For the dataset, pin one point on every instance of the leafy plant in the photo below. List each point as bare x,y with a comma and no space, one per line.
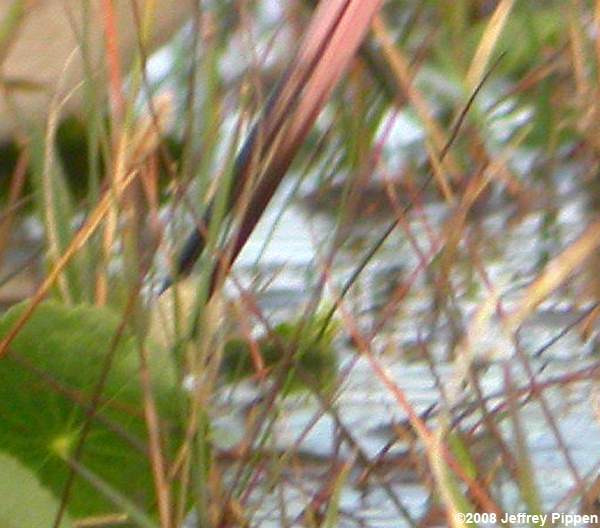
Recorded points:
24,501
48,380
297,346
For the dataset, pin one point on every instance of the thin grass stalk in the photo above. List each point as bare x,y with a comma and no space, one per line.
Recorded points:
127,144
487,43
392,226
156,455
209,133
56,207
332,38
490,422
424,433
400,67
115,75
455,503
191,84
98,144
526,476
95,400
325,54
118,499
95,219
454,228
332,511
543,402
555,273
194,457
310,102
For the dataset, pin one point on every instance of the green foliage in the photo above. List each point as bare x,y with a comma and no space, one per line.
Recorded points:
527,33
460,450
48,378
72,148
25,503
71,145
311,356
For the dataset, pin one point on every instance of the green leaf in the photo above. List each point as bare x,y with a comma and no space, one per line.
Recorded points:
25,502
46,381
461,452
313,355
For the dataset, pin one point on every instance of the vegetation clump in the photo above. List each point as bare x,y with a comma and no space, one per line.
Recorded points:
300,351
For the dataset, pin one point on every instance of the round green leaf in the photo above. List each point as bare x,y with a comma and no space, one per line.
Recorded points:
25,502
46,383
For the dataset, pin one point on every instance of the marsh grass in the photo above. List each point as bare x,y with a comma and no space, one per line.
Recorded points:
492,87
